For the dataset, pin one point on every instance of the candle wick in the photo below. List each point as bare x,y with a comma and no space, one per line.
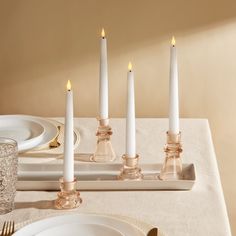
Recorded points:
103,37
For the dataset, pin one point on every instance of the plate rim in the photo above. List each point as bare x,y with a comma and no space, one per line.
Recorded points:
73,223
31,142
113,218
41,121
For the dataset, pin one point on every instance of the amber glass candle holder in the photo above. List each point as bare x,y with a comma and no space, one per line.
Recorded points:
130,169
68,197
104,151
172,167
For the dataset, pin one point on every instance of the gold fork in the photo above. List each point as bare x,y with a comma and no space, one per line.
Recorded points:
8,228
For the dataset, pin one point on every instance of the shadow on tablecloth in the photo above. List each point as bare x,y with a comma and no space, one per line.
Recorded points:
46,204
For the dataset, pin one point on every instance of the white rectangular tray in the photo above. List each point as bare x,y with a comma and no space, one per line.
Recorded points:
100,177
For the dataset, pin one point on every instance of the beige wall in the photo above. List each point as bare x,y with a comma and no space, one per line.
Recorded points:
44,42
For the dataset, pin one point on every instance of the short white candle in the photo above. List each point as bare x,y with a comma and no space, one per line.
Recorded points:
103,79
173,91
68,174
130,119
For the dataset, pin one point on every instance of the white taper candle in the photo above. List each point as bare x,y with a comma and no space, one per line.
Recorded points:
68,174
173,91
103,79
130,119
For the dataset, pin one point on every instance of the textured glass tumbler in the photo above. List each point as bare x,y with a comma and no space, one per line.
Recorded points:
8,174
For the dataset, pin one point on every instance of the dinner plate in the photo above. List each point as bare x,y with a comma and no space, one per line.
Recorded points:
73,229
60,149
75,221
27,133
45,151
25,129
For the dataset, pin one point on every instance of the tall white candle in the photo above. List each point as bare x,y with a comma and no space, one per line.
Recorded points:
69,137
173,91
103,80
130,119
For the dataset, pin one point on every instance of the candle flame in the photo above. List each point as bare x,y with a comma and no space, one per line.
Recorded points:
173,41
68,85
130,66
103,33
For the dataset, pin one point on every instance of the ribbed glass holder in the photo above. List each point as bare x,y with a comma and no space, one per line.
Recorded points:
172,167
130,169
68,197
104,151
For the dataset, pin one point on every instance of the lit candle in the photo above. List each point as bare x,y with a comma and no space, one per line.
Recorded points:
173,91
130,119
103,81
69,137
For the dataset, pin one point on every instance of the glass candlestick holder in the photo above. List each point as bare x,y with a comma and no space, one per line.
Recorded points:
130,169
172,167
104,151
68,197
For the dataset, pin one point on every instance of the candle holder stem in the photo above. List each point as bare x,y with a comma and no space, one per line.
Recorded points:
104,151
172,167
68,197
130,169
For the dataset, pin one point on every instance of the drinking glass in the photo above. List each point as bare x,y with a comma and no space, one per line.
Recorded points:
8,174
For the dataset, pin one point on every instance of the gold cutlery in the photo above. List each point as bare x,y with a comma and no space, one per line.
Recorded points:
54,143
153,232
8,228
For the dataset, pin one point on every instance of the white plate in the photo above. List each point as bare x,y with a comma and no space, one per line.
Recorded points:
27,133
60,149
50,131
43,226
73,229
46,151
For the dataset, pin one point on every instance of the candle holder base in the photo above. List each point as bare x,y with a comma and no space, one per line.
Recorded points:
104,151
68,197
172,167
130,169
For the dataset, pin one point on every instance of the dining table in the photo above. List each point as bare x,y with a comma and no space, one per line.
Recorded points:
200,211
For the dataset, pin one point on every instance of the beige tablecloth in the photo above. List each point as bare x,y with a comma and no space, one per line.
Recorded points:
199,212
